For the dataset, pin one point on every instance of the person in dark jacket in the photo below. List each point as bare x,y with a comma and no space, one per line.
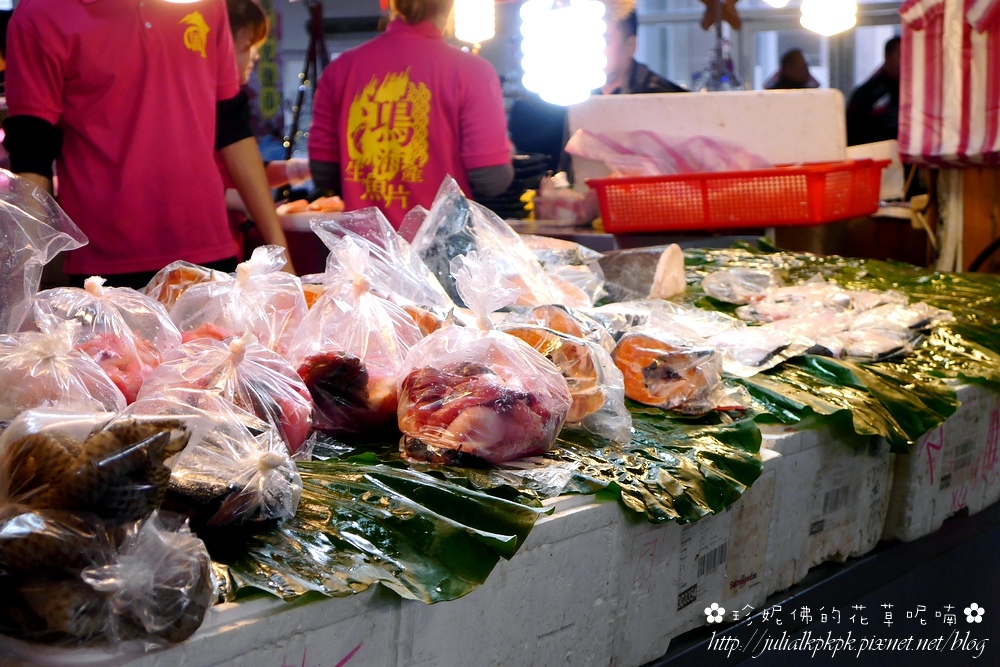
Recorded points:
873,108
625,74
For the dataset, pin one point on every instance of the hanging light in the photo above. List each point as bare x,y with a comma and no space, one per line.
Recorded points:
829,17
777,4
563,47
475,20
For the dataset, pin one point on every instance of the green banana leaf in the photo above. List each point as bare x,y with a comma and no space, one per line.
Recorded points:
359,524
899,399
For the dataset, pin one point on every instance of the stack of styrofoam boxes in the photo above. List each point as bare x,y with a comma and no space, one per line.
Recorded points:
831,499
549,605
256,632
669,574
951,468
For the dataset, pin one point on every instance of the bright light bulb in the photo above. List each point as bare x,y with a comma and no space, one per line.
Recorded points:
777,4
475,20
563,49
829,17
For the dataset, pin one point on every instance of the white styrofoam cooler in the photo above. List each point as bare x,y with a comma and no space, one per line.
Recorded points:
830,501
783,127
951,469
669,574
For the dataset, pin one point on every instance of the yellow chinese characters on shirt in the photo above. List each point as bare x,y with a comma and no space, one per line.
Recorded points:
387,137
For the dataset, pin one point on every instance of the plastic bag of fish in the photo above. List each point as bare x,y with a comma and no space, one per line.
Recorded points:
245,373
45,370
124,331
456,226
351,345
235,469
154,586
475,395
259,298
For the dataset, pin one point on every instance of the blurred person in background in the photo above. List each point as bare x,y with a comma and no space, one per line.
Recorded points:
625,74
249,25
873,108
394,116
792,74
131,102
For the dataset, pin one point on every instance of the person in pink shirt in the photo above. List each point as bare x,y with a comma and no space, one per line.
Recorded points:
396,115
131,99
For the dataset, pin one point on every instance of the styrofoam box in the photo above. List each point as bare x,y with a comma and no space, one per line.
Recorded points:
670,573
789,126
263,632
831,499
549,605
950,468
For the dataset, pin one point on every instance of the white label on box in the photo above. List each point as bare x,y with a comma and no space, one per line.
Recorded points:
704,549
835,496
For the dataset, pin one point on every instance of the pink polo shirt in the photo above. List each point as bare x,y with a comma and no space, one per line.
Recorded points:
133,85
401,112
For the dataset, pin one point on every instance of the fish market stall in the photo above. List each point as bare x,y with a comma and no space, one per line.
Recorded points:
474,447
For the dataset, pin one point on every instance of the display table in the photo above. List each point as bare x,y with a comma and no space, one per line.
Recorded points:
593,585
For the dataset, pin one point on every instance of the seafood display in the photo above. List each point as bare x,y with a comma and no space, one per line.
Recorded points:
172,280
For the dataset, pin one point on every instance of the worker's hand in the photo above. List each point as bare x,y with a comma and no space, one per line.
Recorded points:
297,170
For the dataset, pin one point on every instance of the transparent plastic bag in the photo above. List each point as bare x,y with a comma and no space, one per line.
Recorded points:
260,299
469,395
351,345
739,286
160,587
565,320
246,373
44,370
33,230
124,331
235,469
113,466
667,371
595,384
572,262
155,587
456,226
172,280
395,270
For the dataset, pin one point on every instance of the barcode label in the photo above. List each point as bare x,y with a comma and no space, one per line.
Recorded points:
710,562
836,499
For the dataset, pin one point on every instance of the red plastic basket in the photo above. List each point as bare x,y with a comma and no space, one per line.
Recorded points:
780,196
